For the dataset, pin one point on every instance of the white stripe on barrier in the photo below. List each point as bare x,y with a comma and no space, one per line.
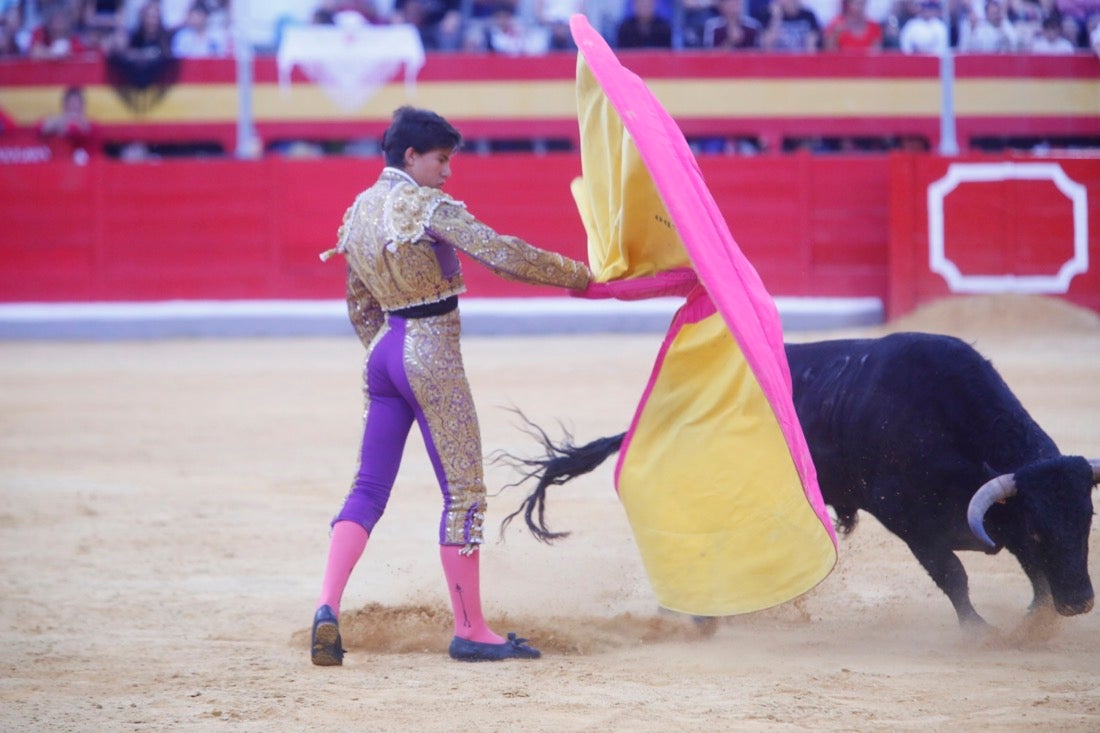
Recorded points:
485,316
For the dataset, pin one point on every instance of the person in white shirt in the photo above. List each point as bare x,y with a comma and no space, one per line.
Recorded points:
993,34
197,38
925,32
1050,39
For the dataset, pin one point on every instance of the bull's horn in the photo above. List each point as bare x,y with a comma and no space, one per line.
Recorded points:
992,491
1095,463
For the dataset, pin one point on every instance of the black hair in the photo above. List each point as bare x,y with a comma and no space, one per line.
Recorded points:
419,129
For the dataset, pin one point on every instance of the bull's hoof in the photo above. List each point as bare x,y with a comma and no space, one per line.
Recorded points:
1075,609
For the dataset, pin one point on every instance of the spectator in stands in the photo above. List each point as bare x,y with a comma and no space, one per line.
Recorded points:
1093,27
899,14
15,38
644,28
991,34
218,16
174,12
696,15
477,17
1050,39
150,39
507,34
197,38
482,10
1027,19
733,28
1080,12
926,32
791,27
101,21
9,47
57,37
70,135
1072,30
439,22
852,30
9,44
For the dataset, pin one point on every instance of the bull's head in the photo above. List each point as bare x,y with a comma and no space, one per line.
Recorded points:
1053,502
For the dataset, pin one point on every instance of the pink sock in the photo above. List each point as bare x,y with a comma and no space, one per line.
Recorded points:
345,548
464,584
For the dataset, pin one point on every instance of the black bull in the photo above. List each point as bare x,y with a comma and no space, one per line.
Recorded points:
920,431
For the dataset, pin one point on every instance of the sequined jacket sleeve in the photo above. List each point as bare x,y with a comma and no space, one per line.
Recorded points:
509,257
363,309
400,241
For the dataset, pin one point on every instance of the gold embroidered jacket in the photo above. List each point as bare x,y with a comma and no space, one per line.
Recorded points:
400,240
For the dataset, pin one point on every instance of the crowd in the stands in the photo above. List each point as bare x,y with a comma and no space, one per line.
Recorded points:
45,29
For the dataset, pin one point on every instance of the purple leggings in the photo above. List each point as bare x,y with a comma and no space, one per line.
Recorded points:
414,371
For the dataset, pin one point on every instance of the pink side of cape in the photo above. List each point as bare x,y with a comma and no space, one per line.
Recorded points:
730,279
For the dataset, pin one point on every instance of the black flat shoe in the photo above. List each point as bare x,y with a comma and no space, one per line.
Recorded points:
325,647
480,651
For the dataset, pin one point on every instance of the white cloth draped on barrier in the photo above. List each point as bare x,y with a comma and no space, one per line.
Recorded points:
351,61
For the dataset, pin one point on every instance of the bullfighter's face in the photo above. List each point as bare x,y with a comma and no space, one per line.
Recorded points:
431,169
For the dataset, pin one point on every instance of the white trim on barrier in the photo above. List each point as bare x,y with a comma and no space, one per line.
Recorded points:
957,282
480,316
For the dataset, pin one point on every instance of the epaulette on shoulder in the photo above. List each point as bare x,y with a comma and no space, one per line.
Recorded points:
409,208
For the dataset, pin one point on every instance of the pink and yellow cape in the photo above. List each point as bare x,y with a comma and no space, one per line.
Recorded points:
715,474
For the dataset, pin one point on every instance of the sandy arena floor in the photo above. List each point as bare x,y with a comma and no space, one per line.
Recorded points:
165,517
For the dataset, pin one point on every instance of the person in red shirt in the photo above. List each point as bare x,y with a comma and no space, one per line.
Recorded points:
732,28
70,135
57,37
852,31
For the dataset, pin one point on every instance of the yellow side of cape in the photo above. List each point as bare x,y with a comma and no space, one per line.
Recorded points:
630,232
713,498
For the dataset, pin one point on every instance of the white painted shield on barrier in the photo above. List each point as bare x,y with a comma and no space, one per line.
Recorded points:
959,282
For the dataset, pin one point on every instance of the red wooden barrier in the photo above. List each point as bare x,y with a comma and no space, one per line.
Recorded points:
844,226
224,229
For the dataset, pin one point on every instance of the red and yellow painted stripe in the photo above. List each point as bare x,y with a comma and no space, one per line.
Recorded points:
719,93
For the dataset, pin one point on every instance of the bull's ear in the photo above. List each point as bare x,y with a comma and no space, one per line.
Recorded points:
1095,463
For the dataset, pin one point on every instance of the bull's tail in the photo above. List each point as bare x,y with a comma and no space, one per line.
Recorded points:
563,462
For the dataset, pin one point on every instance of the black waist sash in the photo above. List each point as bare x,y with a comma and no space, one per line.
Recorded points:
437,308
